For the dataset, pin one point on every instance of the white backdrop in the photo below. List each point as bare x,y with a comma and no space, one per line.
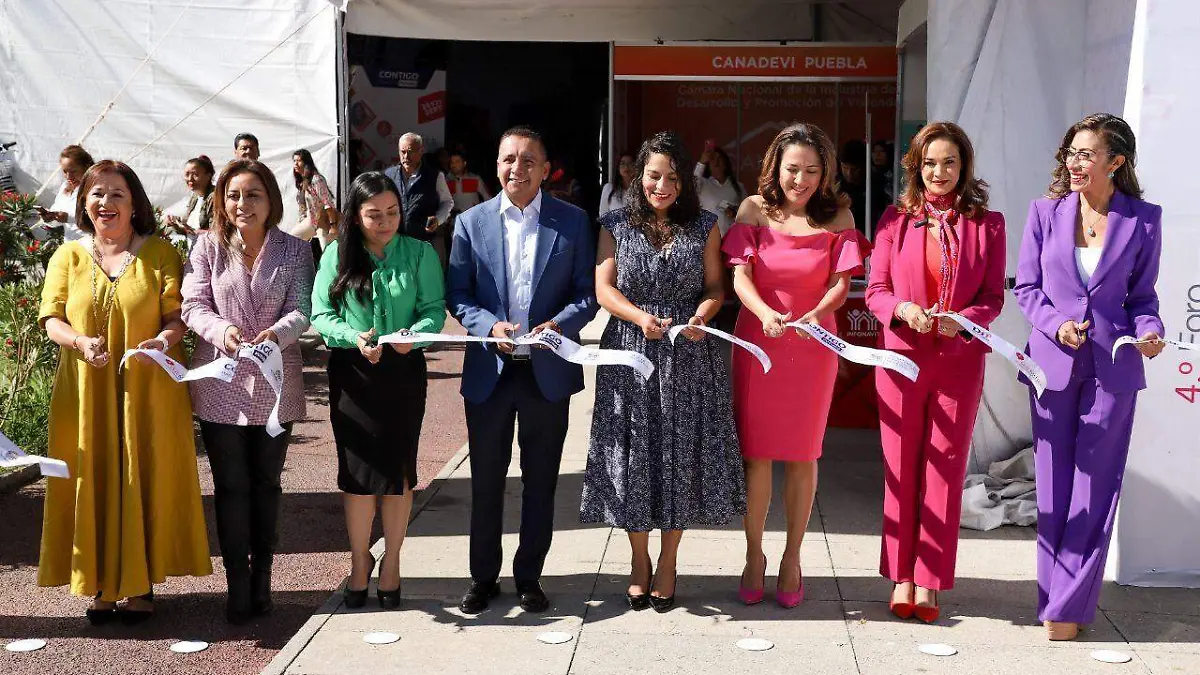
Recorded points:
62,61
1156,543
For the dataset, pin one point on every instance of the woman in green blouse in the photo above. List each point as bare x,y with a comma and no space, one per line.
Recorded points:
372,282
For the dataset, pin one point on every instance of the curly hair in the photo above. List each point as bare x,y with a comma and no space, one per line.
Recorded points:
685,208
823,206
1120,141
972,192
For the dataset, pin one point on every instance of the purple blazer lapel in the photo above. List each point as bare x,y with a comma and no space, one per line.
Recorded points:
1122,222
1063,236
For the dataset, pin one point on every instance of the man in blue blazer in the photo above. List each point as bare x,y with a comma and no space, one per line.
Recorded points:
521,262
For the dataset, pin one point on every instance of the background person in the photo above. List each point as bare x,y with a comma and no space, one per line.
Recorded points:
74,162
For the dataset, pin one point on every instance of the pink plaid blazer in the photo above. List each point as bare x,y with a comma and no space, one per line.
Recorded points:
219,292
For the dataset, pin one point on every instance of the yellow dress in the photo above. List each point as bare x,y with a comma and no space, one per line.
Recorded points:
130,515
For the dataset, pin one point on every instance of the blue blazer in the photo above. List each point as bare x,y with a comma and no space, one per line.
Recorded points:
564,291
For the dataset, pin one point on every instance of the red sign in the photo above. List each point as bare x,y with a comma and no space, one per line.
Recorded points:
431,107
719,62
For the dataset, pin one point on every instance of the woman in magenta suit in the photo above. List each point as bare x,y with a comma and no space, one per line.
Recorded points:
793,251
1089,261
940,249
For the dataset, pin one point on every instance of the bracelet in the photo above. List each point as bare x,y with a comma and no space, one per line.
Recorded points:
166,345
75,344
900,309
703,321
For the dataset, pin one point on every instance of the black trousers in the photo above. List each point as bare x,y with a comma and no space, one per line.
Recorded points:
246,466
543,428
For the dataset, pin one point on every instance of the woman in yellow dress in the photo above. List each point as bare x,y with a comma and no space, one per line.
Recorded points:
130,515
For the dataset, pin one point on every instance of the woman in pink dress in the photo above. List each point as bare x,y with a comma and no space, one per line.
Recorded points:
793,250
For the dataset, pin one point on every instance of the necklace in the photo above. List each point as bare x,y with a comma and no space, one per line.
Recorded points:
101,315
1090,228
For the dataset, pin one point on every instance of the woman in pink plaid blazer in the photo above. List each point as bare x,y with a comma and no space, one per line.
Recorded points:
247,281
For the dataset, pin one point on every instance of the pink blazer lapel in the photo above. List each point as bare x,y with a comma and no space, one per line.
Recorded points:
912,259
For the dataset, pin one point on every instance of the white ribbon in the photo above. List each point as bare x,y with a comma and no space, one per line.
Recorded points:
674,331
12,457
574,352
866,356
563,347
405,336
1027,366
269,359
1130,340
222,368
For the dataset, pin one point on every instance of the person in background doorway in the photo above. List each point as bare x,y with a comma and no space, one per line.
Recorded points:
720,190
882,177
468,190
318,212
562,185
245,146
852,179
198,175
792,251
939,250
1085,278
424,195
73,161
612,197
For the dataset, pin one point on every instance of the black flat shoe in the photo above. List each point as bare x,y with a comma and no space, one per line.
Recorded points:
533,598
388,599
478,596
133,617
354,599
101,617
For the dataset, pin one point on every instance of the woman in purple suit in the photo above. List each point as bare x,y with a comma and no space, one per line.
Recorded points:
1086,277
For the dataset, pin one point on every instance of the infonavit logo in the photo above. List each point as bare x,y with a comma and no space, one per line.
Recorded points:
862,322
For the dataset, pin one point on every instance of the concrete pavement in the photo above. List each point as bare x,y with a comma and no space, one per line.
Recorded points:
842,627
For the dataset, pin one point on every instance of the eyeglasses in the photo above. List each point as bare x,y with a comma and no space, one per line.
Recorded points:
1069,155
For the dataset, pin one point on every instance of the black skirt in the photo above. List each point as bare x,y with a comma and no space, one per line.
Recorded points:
376,412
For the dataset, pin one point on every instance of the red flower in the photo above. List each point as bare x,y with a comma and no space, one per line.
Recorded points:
22,302
9,342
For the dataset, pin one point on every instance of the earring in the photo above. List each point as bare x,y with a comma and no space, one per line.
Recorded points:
1111,174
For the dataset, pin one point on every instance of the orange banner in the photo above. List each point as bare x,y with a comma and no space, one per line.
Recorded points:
772,62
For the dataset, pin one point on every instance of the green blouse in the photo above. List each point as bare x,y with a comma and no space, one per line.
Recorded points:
406,292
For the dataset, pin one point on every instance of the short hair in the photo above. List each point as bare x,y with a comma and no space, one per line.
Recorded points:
244,137
221,223
142,218
458,153
77,154
415,138
854,153
525,131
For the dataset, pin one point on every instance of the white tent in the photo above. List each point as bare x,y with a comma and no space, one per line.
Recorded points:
156,82
1016,74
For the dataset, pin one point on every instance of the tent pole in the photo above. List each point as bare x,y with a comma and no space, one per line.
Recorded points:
343,109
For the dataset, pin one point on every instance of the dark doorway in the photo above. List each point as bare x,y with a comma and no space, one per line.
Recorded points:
560,89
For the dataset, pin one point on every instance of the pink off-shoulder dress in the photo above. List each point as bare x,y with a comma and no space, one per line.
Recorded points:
781,415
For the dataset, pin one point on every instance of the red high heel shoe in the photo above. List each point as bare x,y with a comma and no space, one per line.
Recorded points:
789,599
902,610
928,614
751,596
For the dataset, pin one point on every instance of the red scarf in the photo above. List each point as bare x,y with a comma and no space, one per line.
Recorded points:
940,208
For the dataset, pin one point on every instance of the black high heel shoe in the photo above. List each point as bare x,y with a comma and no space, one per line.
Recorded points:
101,617
663,605
388,599
640,601
357,599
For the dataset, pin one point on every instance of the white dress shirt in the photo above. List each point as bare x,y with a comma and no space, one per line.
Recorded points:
65,201
520,249
610,200
445,199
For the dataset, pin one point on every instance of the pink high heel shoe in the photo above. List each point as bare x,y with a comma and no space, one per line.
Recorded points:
789,599
751,596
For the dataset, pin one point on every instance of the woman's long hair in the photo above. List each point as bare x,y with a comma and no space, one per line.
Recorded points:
730,174
307,160
142,218
1120,141
354,260
972,191
686,207
223,226
823,206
